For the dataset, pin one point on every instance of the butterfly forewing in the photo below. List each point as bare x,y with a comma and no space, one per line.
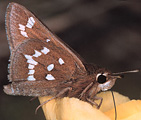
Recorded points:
22,24
36,53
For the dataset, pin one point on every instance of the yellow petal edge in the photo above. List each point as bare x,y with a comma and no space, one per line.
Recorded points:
75,109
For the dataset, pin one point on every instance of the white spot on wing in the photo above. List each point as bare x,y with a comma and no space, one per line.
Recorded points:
47,40
50,67
45,50
31,78
50,77
29,25
29,57
12,88
33,62
30,22
37,53
31,72
24,34
21,27
30,66
32,19
61,61
30,60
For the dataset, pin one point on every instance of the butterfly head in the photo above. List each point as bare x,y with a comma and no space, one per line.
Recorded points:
105,80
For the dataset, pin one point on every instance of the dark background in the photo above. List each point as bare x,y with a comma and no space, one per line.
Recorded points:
104,32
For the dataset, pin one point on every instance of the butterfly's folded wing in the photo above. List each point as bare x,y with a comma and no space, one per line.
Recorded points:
39,60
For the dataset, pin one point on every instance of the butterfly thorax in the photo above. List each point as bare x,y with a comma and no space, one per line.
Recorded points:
97,79
80,82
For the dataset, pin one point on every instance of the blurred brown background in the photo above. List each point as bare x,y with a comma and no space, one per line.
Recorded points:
104,32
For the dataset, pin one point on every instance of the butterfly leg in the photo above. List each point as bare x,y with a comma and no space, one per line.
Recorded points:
94,103
58,95
33,99
85,90
101,100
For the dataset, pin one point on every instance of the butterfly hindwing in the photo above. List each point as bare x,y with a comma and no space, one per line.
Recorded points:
38,60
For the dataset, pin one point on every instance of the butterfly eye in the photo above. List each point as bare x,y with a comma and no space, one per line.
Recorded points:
101,78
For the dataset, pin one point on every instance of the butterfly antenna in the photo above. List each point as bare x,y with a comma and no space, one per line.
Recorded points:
125,72
114,105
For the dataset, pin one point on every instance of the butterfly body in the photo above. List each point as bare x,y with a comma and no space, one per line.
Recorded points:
42,65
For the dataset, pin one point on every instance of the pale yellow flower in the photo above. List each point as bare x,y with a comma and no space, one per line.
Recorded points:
75,109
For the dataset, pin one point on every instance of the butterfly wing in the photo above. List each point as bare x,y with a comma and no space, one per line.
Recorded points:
38,58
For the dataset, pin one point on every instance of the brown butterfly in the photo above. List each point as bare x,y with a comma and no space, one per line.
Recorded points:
42,65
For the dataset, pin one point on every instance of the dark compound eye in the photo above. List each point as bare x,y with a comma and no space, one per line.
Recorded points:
101,79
